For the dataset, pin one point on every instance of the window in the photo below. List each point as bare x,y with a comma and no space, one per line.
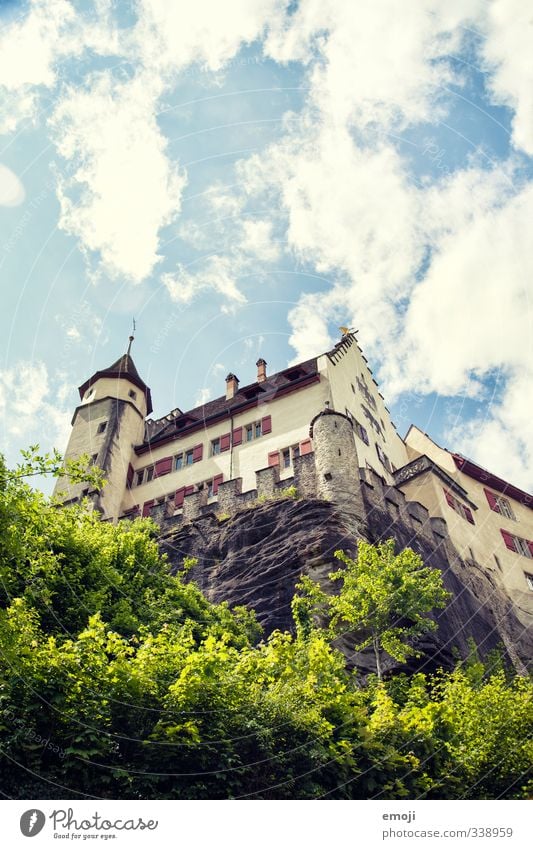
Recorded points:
178,462
522,547
459,507
256,429
288,455
529,580
132,394
517,544
375,425
365,392
215,447
500,504
140,476
361,432
189,457
149,473
353,388
383,457
89,394
101,427
94,458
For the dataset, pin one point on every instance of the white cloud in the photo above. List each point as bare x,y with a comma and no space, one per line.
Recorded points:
122,189
11,189
370,64
436,276
258,241
501,440
216,273
202,396
507,52
170,36
27,412
32,48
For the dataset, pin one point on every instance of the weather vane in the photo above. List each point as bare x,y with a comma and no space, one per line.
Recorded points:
347,330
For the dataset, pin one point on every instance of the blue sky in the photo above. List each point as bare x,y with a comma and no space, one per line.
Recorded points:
245,177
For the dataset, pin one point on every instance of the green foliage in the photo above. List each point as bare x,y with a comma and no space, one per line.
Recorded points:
381,602
287,492
79,470
118,680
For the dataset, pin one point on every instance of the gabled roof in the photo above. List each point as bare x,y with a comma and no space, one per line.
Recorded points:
124,367
483,476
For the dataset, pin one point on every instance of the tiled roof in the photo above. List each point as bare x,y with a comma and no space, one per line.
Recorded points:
123,367
177,422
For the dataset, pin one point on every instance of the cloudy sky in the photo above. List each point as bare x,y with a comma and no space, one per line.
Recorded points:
245,176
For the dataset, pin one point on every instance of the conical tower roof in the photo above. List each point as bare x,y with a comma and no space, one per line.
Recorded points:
125,368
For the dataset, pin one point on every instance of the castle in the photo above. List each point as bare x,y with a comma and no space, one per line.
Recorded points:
319,429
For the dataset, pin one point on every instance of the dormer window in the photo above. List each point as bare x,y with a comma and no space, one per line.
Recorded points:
294,374
253,392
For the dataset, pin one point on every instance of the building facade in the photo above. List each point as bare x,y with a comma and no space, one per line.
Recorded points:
320,426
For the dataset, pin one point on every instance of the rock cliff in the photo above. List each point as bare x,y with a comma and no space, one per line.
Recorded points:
256,556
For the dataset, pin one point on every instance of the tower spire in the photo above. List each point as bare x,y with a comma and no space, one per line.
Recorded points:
131,338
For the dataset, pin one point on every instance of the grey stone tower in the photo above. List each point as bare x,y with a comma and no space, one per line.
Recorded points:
337,465
106,425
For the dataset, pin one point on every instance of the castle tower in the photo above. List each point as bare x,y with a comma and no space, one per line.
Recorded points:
106,425
337,464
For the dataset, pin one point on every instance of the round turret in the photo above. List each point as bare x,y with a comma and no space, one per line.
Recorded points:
336,462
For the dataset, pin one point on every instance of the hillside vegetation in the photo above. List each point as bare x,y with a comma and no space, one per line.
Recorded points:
118,680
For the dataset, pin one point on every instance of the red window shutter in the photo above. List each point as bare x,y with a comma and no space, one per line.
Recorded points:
266,424
306,446
197,453
147,506
163,467
491,498
217,480
189,489
468,514
130,474
237,436
225,442
449,498
508,539
530,546
180,495
273,458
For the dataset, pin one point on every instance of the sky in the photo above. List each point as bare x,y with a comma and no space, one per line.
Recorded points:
244,177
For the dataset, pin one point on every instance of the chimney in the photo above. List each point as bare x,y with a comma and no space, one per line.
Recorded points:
232,386
261,371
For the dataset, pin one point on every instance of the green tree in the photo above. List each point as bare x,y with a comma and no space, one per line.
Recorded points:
119,680
382,601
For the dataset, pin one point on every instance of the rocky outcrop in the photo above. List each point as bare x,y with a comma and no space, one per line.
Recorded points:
256,557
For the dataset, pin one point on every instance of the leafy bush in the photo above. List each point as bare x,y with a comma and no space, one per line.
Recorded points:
118,680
